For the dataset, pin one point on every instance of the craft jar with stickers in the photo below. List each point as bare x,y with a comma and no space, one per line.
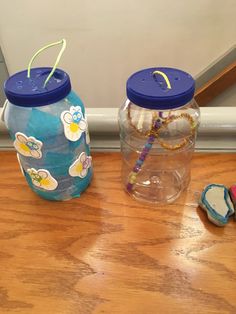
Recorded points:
158,127
47,123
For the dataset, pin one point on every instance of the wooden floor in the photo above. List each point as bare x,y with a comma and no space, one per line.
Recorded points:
107,253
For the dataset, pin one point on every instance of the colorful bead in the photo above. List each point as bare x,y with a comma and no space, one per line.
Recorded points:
148,146
139,162
133,175
129,187
151,139
142,157
145,150
144,154
157,123
132,180
136,169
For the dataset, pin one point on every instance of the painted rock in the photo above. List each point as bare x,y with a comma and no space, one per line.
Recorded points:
215,200
232,192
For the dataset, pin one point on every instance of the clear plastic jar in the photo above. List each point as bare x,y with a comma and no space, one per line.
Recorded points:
158,127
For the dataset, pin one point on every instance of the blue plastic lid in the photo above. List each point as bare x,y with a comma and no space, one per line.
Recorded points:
149,90
29,92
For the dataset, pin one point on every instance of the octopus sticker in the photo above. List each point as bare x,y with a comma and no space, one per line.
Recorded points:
42,179
74,123
28,146
80,167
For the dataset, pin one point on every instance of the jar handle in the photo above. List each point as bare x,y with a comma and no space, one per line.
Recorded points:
164,76
61,42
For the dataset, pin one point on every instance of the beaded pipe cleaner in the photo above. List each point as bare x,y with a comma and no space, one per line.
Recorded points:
157,125
147,147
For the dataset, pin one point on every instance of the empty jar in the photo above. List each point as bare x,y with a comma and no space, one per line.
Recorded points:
158,128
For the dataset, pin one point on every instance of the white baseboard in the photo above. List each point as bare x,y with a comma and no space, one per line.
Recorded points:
217,131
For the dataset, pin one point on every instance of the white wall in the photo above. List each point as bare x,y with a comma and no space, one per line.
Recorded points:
110,39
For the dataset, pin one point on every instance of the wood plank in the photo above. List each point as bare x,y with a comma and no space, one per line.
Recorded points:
216,85
107,253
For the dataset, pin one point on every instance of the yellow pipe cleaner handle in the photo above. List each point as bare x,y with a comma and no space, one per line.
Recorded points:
164,76
60,42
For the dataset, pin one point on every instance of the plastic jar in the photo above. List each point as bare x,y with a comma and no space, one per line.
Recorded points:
158,127
49,130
